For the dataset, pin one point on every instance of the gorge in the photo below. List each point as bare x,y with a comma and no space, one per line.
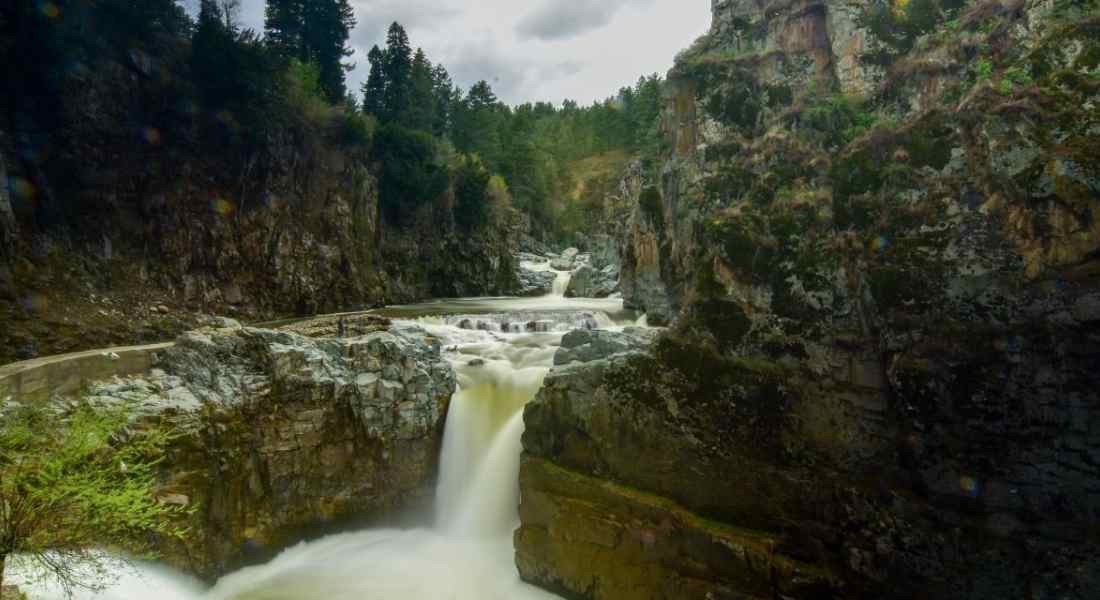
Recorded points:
826,325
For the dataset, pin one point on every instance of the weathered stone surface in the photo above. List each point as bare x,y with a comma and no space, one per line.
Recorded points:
647,548
535,282
566,260
587,282
281,433
584,345
885,335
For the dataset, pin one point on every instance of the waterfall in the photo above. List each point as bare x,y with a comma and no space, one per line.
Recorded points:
465,554
501,356
561,284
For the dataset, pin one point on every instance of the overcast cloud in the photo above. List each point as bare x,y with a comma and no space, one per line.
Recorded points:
531,50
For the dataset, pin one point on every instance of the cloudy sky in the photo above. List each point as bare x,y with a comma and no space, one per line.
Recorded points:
531,49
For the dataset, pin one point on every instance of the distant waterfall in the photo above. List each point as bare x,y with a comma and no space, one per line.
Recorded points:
561,284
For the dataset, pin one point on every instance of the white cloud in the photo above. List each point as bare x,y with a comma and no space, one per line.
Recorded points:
557,20
531,49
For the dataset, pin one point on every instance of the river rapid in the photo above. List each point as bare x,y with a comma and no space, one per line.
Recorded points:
501,349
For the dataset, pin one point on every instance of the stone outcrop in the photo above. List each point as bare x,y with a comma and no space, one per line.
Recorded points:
281,434
287,224
588,282
881,381
534,277
566,260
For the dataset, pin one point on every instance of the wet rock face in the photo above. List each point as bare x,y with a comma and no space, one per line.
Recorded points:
588,282
883,353
281,433
534,278
566,260
847,481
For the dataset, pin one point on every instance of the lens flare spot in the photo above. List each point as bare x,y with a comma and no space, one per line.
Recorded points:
880,244
22,188
970,486
226,119
151,135
35,303
223,207
49,10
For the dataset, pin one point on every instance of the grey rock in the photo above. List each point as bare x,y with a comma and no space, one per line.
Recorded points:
536,283
586,346
294,417
587,282
1087,309
566,260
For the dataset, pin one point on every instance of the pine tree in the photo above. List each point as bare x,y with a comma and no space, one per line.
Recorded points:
444,94
283,26
481,124
374,90
326,26
314,31
210,49
398,71
421,111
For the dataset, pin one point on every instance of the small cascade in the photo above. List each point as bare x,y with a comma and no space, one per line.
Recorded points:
529,322
561,284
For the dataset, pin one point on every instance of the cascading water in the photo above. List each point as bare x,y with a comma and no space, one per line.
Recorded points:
561,284
466,553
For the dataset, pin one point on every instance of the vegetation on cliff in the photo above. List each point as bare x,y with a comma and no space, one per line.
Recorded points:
68,491
872,236
164,161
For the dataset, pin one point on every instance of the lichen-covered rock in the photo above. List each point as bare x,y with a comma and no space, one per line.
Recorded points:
566,260
587,345
280,433
883,357
534,281
588,282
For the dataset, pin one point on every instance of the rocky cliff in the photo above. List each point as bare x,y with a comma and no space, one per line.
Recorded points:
874,233
280,434
137,198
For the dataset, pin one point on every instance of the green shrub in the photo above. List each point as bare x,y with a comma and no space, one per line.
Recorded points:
410,175
983,69
471,193
356,128
839,118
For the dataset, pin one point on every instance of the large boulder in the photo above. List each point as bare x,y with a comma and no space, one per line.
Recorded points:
534,278
281,434
588,282
566,260
604,250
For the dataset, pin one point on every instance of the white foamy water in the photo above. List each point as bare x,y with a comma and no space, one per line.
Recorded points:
561,284
464,551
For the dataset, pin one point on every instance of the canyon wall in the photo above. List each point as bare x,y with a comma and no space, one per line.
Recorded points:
280,435
879,257
137,198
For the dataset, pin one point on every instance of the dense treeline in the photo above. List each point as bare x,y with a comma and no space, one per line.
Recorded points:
236,88
530,146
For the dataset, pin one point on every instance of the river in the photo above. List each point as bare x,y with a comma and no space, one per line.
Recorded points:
501,349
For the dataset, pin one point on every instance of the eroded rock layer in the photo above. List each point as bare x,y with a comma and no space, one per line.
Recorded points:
874,240
280,433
